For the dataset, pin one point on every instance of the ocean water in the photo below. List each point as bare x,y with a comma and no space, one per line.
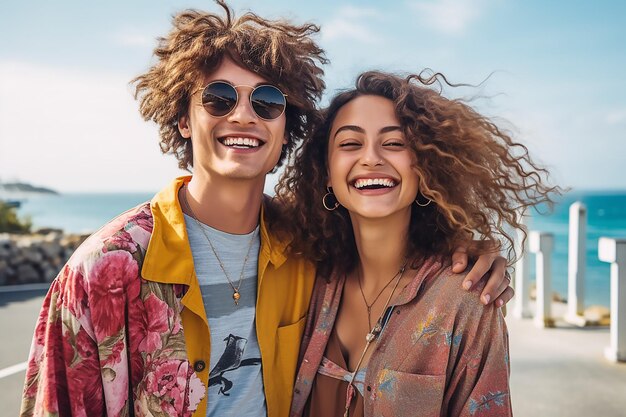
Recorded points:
79,213
606,217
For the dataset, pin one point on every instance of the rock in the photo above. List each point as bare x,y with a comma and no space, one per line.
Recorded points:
33,255
6,247
53,237
49,273
16,259
49,231
27,274
598,315
51,249
56,262
73,241
11,275
4,272
25,242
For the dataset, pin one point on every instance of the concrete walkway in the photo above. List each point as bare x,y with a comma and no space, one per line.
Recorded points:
562,371
18,313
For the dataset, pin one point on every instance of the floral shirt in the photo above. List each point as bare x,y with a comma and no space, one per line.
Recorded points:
123,330
112,328
441,352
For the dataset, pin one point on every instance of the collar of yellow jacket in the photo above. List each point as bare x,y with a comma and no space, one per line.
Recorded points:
168,257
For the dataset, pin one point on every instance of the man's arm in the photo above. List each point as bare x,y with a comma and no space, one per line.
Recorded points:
63,375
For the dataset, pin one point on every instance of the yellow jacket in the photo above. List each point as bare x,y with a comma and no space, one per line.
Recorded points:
284,290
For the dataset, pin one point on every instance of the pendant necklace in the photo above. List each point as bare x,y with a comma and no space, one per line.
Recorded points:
236,293
372,335
369,305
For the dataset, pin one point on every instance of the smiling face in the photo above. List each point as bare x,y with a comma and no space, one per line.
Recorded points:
239,145
370,164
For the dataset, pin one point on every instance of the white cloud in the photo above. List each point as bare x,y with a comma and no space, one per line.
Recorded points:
76,131
352,23
448,16
616,117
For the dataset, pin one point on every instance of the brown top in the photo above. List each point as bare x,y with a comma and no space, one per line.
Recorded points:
328,395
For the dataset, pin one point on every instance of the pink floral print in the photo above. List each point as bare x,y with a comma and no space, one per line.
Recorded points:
103,329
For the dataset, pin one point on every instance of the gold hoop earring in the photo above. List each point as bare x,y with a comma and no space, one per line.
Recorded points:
424,197
334,203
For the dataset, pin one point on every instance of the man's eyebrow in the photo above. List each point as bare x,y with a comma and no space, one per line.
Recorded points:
240,85
350,128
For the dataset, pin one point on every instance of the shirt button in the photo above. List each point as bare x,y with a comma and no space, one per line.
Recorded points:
199,366
397,311
297,391
369,387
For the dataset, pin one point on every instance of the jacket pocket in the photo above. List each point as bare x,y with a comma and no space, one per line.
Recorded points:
286,358
403,394
288,343
287,349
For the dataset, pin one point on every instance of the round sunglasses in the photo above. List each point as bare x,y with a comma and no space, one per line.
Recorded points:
219,98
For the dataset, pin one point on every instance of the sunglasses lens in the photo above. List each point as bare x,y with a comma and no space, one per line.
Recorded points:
219,98
268,102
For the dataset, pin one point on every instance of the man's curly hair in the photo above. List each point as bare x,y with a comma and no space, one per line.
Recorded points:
477,177
283,53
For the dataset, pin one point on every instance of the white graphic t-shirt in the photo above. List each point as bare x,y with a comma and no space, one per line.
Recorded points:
235,379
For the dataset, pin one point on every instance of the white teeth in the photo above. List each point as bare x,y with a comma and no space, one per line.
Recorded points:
250,142
385,182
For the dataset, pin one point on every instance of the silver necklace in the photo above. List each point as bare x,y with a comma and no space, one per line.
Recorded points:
236,293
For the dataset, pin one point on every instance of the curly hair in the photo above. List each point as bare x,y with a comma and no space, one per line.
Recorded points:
477,177
283,53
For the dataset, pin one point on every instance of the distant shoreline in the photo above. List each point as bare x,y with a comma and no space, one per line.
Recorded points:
24,188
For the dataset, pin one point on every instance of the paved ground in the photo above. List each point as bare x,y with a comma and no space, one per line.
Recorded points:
18,313
554,372
562,372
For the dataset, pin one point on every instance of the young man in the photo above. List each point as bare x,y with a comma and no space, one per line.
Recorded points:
189,305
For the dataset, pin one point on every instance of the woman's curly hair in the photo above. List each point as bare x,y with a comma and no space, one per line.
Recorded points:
477,177
283,53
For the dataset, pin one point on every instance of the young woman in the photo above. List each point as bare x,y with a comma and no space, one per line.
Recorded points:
395,178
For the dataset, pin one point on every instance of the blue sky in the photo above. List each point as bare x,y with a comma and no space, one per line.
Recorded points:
68,119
